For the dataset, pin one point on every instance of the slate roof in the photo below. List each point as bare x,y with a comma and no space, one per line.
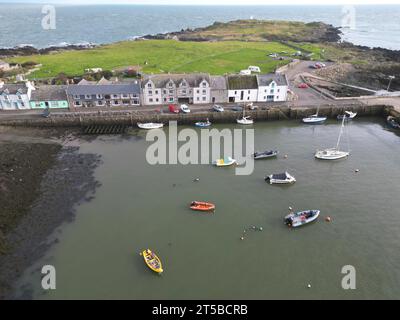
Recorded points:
92,89
13,89
50,93
242,82
265,80
161,80
218,83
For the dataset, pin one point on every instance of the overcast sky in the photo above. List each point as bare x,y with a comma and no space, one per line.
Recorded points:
214,2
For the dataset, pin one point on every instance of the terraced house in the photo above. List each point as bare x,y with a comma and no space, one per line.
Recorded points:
104,93
49,97
176,88
15,96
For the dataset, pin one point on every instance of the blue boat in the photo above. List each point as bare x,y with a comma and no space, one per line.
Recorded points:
393,123
203,124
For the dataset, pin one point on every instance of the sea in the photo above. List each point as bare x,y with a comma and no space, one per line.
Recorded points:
22,24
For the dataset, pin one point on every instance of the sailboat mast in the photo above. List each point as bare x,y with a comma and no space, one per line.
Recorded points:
341,133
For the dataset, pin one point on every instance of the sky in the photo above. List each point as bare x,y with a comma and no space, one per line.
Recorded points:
213,2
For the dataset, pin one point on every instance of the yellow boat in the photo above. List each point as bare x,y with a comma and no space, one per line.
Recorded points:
152,261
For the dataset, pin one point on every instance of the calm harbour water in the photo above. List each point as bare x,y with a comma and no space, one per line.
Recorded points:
141,206
21,23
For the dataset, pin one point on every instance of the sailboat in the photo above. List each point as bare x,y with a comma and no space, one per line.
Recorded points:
315,118
245,120
334,153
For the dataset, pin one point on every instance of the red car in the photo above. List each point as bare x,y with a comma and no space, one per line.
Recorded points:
173,108
303,85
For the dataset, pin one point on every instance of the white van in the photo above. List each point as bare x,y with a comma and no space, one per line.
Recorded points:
254,69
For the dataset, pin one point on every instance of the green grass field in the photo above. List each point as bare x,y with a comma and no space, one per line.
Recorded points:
162,56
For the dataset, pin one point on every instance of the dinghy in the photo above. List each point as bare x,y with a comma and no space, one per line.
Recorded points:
299,219
150,125
392,122
224,162
333,153
348,115
152,261
203,124
202,206
280,178
265,155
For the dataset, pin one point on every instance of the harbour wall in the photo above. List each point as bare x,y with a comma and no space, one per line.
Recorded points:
80,119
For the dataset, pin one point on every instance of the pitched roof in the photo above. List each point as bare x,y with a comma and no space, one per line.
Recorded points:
161,80
218,83
266,79
240,82
90,89
13,89
50,93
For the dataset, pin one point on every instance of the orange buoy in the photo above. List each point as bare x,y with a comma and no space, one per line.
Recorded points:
328,219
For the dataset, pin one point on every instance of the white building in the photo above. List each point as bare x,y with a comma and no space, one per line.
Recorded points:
176,88
272,87
242,88
15,96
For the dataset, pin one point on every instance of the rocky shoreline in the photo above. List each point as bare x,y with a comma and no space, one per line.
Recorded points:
41,185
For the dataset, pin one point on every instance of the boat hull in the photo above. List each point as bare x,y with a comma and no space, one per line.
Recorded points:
150,126
295,220
202,206
318,120
331,155
152,261
260,156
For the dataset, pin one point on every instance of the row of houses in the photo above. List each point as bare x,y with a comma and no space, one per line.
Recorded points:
198,88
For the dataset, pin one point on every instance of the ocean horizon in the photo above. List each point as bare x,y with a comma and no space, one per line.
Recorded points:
21,24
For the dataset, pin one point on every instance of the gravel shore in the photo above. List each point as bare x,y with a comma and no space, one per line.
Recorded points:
40,185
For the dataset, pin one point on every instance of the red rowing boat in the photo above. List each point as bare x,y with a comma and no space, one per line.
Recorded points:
202,206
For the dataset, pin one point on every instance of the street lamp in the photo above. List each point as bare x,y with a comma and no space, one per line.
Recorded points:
390,82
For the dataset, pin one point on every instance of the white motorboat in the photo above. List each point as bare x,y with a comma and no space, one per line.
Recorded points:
265,154
245,121
150,125
218,108
280,178
333,153
348,115
299,219
185,108
226,162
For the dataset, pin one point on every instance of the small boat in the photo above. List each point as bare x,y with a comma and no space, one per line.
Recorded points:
202,206
280,178
152,261
245,121
150,125
314,119
265,154
299,219
225,162
392,122
203,124
333,153
348,115
184,108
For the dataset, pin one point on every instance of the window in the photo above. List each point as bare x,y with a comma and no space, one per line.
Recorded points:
279,90
204,98
149,85
77,97
125,102
272,91
198,91
248,98
171,91
125,96
165,99
171,99
156,91
150,92
198,99
88,96
157,100
165,91
204,84
204,91
99,96
249,92
235,92
77,103
115,96
183,91
151,100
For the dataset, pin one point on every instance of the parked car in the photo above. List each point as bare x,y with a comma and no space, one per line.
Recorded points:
173,108
273,55
245,72
237,109
303,86
218,108
185,108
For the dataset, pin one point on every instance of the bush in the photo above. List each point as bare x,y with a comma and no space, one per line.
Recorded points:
29,64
